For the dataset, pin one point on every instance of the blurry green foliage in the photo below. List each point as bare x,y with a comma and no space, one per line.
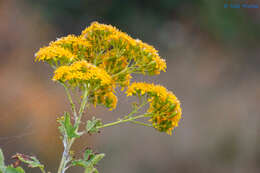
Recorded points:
229,26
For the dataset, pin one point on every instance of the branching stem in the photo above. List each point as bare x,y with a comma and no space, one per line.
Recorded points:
73,107
123,121
66,141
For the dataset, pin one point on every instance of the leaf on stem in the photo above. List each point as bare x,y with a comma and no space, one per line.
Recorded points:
89,161
66,126
32,161
92,125
11,169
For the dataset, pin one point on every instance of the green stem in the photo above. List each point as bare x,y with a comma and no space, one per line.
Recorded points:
141,123
70,99
122,121
122,71
68,142
65,156
42,170
82,107
136,110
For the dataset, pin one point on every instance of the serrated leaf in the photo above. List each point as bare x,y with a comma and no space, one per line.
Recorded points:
97,158
2,163
89,169
89,161
11,169
92,125
87,153
81,163
32,161
70,129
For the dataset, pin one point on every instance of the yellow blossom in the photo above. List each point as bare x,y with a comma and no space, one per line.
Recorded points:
54,54
80,72
164,107
102,57
109,39
95,26
110,100
75,44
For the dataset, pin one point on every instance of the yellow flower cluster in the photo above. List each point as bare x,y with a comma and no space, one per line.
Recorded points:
54,55
76,44
105,98
82,71
101,56
164,107
138,57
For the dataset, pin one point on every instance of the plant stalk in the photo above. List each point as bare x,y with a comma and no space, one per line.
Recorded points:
122,121
65,155
68,142
73,107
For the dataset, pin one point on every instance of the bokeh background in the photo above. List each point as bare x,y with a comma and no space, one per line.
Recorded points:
213,67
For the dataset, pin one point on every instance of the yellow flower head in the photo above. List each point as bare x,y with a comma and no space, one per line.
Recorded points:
164,107
97,27
82,72
54,55
144,58
108,99
76,44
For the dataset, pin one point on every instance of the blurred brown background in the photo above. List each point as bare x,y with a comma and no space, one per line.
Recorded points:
213,67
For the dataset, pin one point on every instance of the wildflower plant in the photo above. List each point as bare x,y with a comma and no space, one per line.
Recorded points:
95,63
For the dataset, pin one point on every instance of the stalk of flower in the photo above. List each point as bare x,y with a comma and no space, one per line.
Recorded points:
81,74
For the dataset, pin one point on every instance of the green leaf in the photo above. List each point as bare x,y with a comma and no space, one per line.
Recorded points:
89,169
70,129
87,153
81,163
32,161
89,161
97,158
11,169
2,163
94,170
92,125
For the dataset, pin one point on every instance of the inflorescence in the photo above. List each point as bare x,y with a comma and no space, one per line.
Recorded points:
103,58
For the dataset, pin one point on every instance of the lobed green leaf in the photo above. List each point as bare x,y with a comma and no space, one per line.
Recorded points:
92,125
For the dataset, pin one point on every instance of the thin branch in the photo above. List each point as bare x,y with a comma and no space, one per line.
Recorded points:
141,123
73,107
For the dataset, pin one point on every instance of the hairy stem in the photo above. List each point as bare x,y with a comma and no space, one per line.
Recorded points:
65,156
66,141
